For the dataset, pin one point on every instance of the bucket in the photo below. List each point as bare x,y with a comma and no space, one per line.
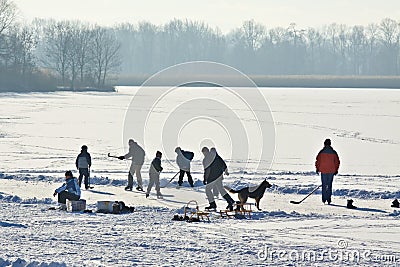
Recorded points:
76,206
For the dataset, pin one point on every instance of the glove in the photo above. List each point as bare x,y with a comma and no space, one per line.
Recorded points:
317,171
336,173
121,157
226,172
54,194
204,182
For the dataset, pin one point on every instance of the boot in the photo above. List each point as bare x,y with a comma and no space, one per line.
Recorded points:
350,204
395,204
212,206
128,188
230,201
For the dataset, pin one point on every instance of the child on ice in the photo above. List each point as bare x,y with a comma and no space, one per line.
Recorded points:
154,174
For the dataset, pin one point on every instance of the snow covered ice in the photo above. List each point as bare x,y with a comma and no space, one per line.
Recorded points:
41,134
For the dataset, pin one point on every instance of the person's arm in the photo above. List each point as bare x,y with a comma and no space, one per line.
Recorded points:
337,163
89,159
157,164
317,163
60,189
206,174
76,162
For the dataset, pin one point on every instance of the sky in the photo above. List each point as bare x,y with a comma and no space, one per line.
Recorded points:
225,14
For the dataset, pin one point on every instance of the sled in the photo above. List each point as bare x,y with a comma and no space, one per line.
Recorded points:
240,211
195,213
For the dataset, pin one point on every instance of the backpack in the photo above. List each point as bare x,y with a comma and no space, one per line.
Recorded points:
187,154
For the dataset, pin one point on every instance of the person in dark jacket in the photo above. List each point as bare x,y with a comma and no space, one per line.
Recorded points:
327,164
83,163
183,159
154,174
214,168
69,190
137,154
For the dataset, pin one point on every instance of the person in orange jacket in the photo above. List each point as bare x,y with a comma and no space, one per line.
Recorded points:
327,164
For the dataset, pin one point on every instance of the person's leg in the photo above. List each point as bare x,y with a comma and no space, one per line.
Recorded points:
190,179
130,177
80,177
329,187
209,194
324,187
220,188
86,174
151,183
138,169
62,197
157,182
181,174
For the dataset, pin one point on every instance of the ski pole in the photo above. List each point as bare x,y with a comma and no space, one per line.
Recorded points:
312,192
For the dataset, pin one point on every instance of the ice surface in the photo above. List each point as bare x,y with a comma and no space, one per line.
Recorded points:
41,134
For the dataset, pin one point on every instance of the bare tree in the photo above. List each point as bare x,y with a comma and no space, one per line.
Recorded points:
57,45
105,54
253,34
8,14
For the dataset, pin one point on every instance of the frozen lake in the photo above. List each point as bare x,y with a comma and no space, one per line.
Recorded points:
44,132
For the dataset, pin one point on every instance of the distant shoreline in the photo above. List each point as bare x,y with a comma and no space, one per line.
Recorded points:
284,81
293,81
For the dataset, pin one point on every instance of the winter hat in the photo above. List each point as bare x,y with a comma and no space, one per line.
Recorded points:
327,142
68,174
158,154
84,147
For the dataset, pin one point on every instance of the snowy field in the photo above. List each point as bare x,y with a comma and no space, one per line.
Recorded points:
41,134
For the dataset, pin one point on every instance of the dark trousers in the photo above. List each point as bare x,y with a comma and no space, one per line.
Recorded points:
84,172
181,174
64,195
327,179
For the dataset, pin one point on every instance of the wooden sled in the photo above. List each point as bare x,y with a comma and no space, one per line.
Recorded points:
194,213
240,211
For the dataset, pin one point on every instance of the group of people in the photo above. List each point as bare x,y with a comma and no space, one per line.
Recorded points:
327,163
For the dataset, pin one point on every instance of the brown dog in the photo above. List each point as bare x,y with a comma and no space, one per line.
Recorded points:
253,192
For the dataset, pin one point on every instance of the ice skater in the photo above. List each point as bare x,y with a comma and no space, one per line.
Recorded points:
214,168
183,159
83,163
327,164
154,174
137,153
69,190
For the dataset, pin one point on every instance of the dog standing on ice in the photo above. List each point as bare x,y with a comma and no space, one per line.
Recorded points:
253,192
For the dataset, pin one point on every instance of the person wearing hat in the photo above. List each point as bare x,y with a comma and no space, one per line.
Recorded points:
137,154
154,174
69,190
327,164
83,163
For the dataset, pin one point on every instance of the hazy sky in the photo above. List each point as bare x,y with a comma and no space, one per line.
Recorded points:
226,14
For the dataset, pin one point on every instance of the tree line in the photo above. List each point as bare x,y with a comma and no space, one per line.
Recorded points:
335,49
77,54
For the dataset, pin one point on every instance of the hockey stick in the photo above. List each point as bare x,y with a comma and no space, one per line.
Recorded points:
110,156
312,192
170,180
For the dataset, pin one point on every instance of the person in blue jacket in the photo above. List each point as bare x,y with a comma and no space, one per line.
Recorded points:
69,190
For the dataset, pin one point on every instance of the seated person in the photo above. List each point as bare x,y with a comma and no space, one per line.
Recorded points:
69,190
